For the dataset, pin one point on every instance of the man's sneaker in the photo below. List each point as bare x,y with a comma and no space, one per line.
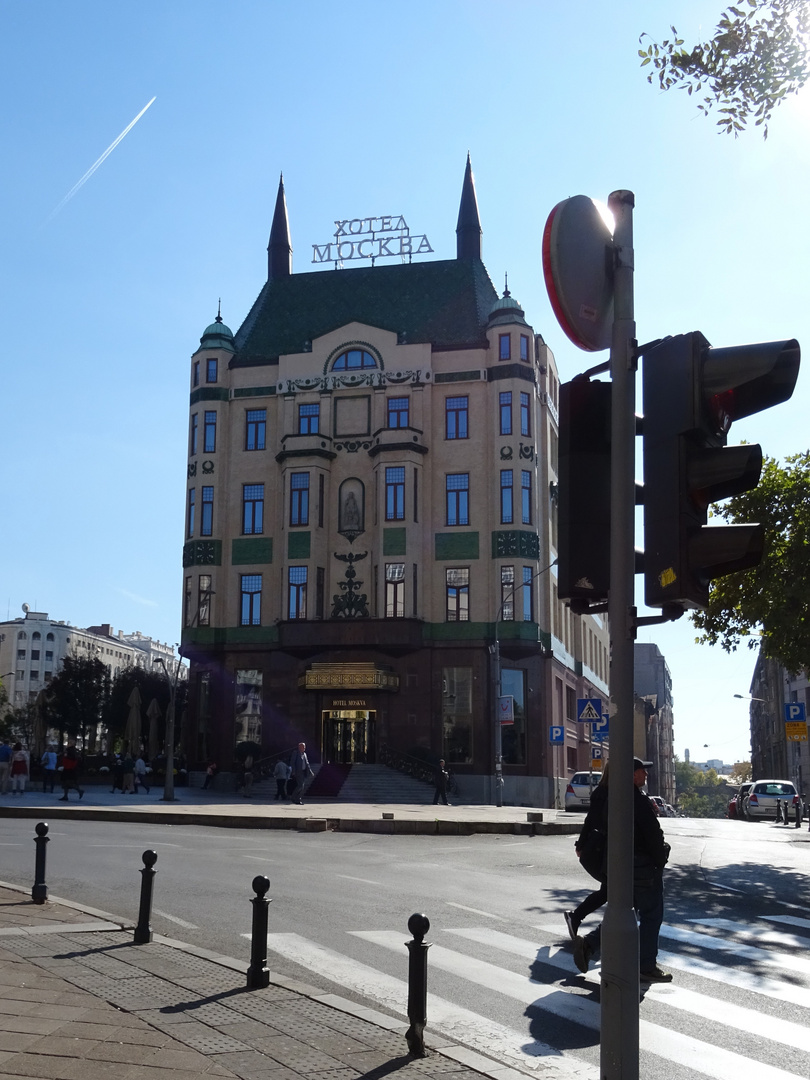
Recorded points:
656,974
572,922
582,953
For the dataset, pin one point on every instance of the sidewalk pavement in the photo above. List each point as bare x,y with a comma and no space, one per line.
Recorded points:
193,806
78,999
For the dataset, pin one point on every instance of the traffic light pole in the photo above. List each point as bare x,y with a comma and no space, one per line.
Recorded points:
620,952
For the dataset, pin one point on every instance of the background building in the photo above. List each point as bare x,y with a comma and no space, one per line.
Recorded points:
33,647
773,755
653,684
371,520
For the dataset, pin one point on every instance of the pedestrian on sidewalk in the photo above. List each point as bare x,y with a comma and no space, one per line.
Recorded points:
301,772
281,774
441,782
650,856
129,774
5,765
247,777
141,772
20,767
71,769
117,775
210,774
48,763
591,849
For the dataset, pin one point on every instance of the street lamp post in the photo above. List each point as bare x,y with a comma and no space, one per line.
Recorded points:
172,677
496,654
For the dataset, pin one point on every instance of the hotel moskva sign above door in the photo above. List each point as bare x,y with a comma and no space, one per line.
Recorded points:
371,238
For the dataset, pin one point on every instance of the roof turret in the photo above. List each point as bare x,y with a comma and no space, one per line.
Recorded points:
279,249
468,229
217,336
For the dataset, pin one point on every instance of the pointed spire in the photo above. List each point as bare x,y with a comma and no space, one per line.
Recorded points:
219,310
279,250
468,229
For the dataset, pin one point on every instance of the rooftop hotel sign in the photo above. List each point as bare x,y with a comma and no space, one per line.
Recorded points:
371,238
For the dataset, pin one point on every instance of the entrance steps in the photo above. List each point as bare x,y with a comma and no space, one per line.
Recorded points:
381,784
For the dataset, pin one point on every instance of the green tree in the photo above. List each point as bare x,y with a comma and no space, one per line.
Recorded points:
770,602
741,773
77,697
700,794
757,57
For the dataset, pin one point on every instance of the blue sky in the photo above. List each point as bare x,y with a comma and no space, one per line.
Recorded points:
367,108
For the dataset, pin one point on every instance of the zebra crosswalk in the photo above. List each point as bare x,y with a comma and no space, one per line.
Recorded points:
689,1028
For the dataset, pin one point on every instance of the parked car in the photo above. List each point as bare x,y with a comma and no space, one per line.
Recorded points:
739,801
659,805
578,792
760,802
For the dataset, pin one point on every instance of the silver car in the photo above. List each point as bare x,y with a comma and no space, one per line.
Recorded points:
578,792
760,802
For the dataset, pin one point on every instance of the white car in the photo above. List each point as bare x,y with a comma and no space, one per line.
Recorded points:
659,805
578,792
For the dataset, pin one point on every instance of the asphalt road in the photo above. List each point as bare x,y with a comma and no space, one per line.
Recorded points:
501,973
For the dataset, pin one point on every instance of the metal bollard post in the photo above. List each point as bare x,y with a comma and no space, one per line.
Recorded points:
257,974
39,893
143,931
417,984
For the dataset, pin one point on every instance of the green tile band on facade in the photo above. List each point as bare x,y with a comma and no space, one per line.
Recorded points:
456,545
457,376
394,541
202,553
209,393
254,391
517,543
298,545
251,549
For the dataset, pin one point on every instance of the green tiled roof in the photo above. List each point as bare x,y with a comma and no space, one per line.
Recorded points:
446,303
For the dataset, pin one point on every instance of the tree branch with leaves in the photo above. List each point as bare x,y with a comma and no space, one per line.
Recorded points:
757,57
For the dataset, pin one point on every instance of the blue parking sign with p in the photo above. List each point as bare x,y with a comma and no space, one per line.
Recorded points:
556,734
795,712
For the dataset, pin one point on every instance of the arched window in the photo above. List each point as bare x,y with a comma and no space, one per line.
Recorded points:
49,637
354,360
22,636
36,636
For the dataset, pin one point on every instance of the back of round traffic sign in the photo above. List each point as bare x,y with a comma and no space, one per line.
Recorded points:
578,267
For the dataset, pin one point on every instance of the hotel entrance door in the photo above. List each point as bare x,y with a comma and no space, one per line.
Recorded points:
348,736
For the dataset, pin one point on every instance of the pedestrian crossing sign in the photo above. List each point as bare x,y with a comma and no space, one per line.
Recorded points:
589,710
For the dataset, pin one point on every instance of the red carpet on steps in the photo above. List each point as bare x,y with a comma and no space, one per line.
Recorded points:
329,781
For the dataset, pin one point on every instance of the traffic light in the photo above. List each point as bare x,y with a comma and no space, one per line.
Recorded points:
692,394
583,549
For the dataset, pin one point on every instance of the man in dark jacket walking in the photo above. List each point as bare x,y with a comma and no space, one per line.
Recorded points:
650,855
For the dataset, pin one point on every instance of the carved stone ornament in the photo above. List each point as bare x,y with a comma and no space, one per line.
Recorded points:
349,604
192,468
506,453
208,467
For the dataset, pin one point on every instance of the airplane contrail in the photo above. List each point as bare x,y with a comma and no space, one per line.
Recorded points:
99,161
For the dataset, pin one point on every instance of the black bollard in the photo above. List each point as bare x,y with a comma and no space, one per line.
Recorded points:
257,975
39,893
417,984
143,931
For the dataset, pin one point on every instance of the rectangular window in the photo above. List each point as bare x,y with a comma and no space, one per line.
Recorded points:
297,578
20,674
570,704
398,412
457,715
247,706
256,429
458,498
528,606
320,591
204,600
187,616
252,508
524,347
48,656
251,605
458,594
526,496
513,743
507,593
455,412
395,590
299,498
210,439
195,373
20,654
415,493
35,654
193,442
507,507
525,415
207,516
395,494
308,419
320,500
211,369
192,495
504,346
505,401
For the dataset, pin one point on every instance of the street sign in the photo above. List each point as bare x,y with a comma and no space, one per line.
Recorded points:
596,757
578,253
795,712
589,710
796,731
602,726
556,734
506,710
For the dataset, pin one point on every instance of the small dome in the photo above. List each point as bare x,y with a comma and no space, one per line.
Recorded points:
506,310
217,336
